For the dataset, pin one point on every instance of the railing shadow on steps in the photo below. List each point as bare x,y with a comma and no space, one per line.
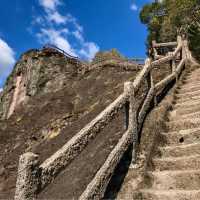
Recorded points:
33,176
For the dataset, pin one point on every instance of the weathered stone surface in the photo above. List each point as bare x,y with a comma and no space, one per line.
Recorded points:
62,157
97,187
37,71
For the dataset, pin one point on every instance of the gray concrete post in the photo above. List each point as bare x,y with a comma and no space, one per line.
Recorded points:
27,178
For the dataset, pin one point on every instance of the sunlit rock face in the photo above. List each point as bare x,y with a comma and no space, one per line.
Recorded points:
37,71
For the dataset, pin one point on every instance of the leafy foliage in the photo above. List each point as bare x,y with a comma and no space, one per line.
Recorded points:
103,55
166,18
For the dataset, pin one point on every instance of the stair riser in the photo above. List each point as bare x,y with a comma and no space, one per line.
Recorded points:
151,196
184,117
188,104
184,111
182,124
179,151
191,164
189,89
174,139
187,84
175,181
193,77
186,99
188,94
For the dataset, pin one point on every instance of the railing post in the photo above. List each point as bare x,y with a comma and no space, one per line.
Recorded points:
154,49
132,120
150,80
27,177
180,42
126,111
173,65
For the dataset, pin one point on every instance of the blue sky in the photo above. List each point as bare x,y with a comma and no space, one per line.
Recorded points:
81,29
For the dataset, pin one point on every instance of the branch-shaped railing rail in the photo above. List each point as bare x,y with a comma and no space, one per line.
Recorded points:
33,177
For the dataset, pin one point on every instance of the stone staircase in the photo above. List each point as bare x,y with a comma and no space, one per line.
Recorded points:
175,171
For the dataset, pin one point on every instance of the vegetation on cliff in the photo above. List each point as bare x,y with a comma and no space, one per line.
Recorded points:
103,55
165,18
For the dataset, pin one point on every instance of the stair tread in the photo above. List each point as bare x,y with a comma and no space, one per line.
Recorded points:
182,131
171,158
173,172
197,92
189,102
148,194
178,111
188,99
188,89
187,115
180,146
190,84
194,119
172,191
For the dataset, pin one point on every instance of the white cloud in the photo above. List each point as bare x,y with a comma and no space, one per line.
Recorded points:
7,59
1,90
77,34
49,4
57,18
134,7
89,50
63,31
57,38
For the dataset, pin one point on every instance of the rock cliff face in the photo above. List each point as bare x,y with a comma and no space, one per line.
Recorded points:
47,99
37,71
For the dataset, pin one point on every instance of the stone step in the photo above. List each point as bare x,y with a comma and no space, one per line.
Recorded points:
179,150
148,194
193,76
187,94
187,83
187,98
177,112
187,80
176,180
177,163
187,104
187,88
173,115
180,137
183,124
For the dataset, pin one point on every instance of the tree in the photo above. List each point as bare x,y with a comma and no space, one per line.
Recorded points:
165,18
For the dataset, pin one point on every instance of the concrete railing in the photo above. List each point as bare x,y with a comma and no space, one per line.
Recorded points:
33,177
